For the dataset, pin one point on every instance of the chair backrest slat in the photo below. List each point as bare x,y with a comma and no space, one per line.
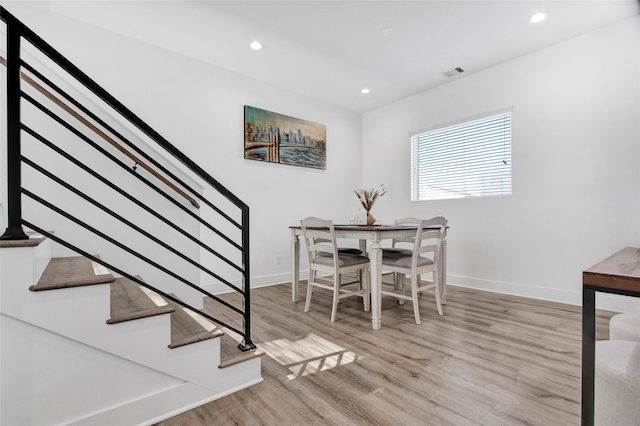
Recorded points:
427,229
405,241
428,239
319,237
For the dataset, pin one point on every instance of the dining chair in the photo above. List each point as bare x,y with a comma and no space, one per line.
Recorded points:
347,250
325,259
402,245
342,250
422,258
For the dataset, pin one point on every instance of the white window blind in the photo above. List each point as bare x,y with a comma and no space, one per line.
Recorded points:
470,159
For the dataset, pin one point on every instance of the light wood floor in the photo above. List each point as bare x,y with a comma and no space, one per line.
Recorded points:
491,359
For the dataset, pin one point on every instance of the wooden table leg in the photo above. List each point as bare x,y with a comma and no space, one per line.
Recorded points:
588,354
375,257
443,272
295,266
362,245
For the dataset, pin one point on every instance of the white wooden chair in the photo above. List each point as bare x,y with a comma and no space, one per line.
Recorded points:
422,258
402,245
342,250
324,258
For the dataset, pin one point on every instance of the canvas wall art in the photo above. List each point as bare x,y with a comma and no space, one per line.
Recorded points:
278,138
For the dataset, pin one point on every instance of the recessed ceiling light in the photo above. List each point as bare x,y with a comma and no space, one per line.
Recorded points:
256,45
538,17
386,31
365,91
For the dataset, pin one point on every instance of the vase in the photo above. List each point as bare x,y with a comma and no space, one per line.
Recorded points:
370,219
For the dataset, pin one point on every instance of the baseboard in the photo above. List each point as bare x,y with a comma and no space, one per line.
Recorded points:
604,301
157,407
256,282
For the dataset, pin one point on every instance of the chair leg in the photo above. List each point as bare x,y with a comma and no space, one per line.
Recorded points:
396,281
415,279
438,301
336,293
312,275
399,279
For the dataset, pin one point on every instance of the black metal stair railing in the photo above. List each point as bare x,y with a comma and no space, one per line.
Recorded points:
27,85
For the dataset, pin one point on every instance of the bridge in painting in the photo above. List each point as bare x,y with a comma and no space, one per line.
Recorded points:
273,148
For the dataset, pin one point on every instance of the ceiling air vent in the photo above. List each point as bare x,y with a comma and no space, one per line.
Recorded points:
454,72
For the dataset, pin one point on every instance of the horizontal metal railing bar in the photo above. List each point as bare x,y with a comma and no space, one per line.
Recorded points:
126,222
130,144
127,249
124,166
100,133
150,184
125,194
17,31
94,87
127,275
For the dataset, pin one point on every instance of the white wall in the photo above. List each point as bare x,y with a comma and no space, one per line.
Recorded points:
576,146
576,137
44,187
46,377
199,108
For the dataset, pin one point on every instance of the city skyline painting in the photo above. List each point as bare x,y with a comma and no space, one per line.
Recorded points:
278,138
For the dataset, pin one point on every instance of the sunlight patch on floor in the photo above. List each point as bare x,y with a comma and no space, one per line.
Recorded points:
309,355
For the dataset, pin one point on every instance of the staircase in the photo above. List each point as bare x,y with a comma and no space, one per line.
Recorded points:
77,299
104,322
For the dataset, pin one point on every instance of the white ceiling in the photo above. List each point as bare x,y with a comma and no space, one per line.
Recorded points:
330,50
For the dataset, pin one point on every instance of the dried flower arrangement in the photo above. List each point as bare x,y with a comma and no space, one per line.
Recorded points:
367,198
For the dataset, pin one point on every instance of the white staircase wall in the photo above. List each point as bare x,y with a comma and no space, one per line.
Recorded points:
49,190
60,167
61,368
74,323
49,379
80,313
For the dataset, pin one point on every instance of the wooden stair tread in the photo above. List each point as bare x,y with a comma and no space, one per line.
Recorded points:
130,301
65,272
188,327
35,238
240,357
230,354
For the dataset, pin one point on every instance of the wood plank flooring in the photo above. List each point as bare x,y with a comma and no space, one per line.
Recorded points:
491,359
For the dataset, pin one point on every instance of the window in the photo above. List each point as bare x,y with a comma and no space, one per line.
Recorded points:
469,159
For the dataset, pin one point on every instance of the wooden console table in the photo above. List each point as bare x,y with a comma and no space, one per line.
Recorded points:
617,274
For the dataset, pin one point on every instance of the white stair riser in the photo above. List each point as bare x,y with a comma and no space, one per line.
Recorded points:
80,313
